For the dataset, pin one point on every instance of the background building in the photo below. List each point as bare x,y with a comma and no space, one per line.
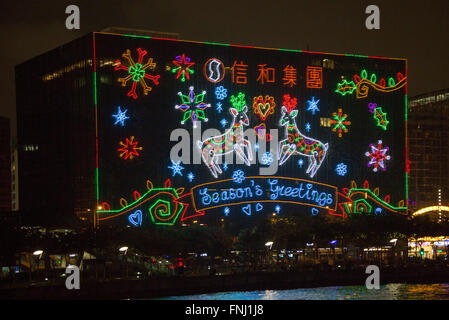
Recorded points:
428,139
5,164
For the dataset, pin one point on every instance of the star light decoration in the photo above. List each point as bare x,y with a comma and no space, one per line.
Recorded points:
190,176
176,167
378,156
120,117
129,148
339,121
313,105
137,72
193,106
183,65
219,107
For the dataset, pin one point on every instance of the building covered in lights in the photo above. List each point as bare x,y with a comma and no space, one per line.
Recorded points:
428,140
97,116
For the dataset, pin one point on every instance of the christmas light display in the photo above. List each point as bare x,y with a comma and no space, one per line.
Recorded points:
267,158
137,72
221,93
212,185
340,123
136,218
214,70
182,68
296,143
263,106
193,106
314,77
363,83
231,141
120,117
238,176
129,148
290,76
176,168
266,74
345,87
341,169
378,156
313,105
379,116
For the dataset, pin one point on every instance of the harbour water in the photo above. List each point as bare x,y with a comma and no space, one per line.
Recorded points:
392,291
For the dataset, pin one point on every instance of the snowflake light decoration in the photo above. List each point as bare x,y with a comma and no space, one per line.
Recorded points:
313,105
300,163
267,158
219,107
378,156
129,148
190,176
339,121
183,65
193,106
223,122
137,72
308,127
120,117
221,92
341,169
226,211
225,166
277,208
238,176
176,168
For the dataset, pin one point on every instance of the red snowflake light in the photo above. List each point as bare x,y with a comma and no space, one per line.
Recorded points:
129,148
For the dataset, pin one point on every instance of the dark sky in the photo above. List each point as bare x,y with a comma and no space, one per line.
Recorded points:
416,30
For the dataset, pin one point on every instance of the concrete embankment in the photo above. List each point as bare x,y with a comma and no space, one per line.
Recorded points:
180,285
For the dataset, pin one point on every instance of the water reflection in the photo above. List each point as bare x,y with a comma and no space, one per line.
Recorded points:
392,291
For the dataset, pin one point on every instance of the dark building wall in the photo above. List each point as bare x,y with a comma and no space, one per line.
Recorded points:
428,133
5,165
56,134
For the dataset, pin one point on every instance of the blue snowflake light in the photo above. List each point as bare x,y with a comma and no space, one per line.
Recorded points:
223,122
341,169
225,166
300,163
190,176
267,158
176,168
120,117
256,146
221,92
238,176
277,208
219,107
308,127
313,105
226,211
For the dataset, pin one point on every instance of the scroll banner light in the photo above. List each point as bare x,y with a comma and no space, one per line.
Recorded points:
256,189
430,209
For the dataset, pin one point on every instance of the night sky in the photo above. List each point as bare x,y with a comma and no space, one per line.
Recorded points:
416,30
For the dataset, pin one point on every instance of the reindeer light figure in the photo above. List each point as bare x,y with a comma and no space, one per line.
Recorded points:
232,140
297,143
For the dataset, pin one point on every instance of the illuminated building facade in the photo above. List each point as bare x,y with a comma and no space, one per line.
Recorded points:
428,140
96,124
